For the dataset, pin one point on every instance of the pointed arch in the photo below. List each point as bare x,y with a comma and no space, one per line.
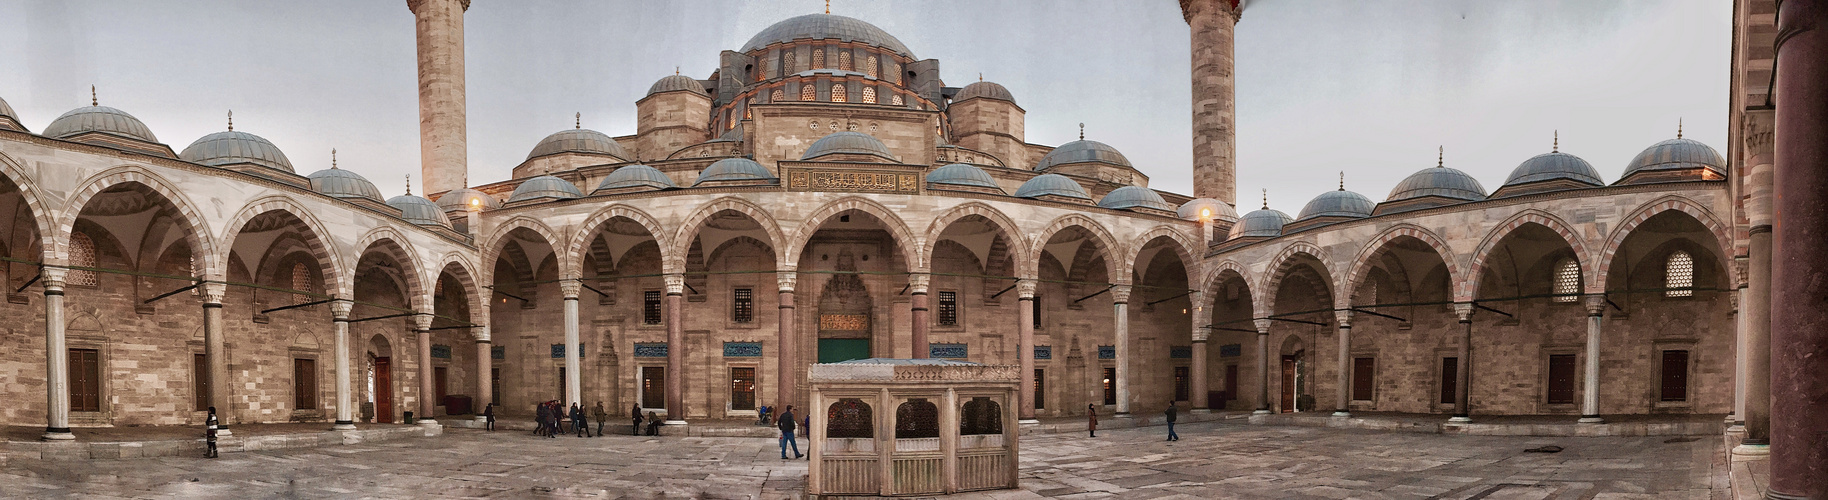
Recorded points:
1280,266
675,261
580,242
41,214
492,247
389,241
1033,260
460,268
1723,241
905,240
1011,231
1183,246
1469,285
197,234
1362,263
329,261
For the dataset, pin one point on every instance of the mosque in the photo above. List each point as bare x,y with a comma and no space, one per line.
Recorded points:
825,195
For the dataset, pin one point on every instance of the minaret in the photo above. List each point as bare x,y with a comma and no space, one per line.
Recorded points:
1215,170
443,146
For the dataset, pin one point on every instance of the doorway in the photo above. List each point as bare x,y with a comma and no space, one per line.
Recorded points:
383,390
653,387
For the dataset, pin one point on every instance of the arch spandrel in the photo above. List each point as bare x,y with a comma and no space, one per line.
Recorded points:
389,241
492,246
579,243
460,268
1362,264
197,232
1011,231
1182,246
1723,240
673,262
329,260
1475,271
1279,267
905,239
42,215
1103,236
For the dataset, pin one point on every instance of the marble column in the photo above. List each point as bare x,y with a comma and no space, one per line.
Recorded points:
1736,420
1262,366
1025,347
918,284
1799,320
428,391
1590,400
1463,382
57,357
215,354
345,404
1755,307
1342,406
1200,403
675,350
787,344
485,374
573,358
1120,305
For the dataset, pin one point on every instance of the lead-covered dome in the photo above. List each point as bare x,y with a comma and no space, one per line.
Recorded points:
1554,166
734,169
545,186
988,90
343,184
959,174
8,119
1218,210
1129,197
825,26
636,176
1341,203
581,140
848,143
1264,223
675,83
99,119
1438,182
419,210
231,147
1675,158
465,198
1082,151
1052,184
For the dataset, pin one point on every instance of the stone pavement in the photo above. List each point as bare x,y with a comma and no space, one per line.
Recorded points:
1215,460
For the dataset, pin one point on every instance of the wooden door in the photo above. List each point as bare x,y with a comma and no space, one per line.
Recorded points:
383,390
1180,383
1231,382
438,387
1110,386
85,380
1450,380
1675,376
1364,371
742,388
1561,379
1288,384
1040,388
653,387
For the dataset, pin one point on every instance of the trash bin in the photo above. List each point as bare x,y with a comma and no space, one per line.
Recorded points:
409,418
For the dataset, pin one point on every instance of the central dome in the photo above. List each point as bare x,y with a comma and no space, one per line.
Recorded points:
847,142
823,26
1081,151
581,140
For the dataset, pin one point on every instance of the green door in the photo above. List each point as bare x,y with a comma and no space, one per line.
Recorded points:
835,350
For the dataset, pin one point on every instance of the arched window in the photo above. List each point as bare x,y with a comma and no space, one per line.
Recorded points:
1679,277
1567,281
746,114
837,94
818,58
869,66
301,281
787,64
894,71
849,418
917,418
82,253
869,95
896,100
981,416
844,60
807,92
761,75
777,96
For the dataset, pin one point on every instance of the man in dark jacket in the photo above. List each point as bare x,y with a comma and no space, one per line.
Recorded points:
787,428
1169,416
579,421
636,430
540,417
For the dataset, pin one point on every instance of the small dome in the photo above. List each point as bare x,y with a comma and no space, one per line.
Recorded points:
989,90
825,26
6,110
672,83
343,184
848,143
1264,223
1676,154
419,210
99,119
1439,181
1215,208
960,174
460,199
1135,196
9,119
231,147
545,186
1054,184
581,140
1082,151
1341,203
734,169
1553,166
636,175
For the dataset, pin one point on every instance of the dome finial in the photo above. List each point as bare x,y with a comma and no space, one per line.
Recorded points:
1557,148
333,158
93,101
1678,127
1342,180
1082,131
675,71
577,120
1440,159
231,115
827,6
980,76
1266,198
409,184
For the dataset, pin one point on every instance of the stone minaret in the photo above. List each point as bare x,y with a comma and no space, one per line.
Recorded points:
1215,168
442,141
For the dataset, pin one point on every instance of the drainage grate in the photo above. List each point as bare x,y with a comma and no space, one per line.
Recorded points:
1544,449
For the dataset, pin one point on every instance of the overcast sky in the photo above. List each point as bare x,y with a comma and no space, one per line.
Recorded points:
1370,88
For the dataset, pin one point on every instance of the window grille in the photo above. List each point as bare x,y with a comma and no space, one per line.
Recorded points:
777,96
742,305
981,416
837,94
818,58
869,66
787,64
948,308
869,95
650,307
917,418
849,418
301,281
844,60
82,253
1567,281
807,92
896,100
1680,275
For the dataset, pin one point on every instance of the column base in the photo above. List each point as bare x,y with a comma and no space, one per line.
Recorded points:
223,431
343,425
673,422
1260,412
1591,419
58,434
1122,414
1342,414
1028,422
427,422
1460,420
481,420
1202,411
1751,452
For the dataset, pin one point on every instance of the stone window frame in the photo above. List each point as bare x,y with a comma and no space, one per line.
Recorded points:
104,389
1377,366
1656,375
729,384
1681,286
640,394
659,320
1542,404
1436,372
958,311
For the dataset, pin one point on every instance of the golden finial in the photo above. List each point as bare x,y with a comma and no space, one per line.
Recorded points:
577,120
231,120
827,6
1081,131
1557,148
333,158
1266,198
1678,128
675,71
1440,159
92,100
409,184
1342,180
980,76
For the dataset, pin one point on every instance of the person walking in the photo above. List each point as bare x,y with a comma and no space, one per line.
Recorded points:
636,429
558,418
488,415
209,434
540,418
1169,416
787,428
1091,420
653,424
601,416
579,422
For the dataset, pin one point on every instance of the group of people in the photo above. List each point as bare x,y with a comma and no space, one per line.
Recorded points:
1169,416
551,416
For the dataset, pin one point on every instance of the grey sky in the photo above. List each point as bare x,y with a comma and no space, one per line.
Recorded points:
1367,87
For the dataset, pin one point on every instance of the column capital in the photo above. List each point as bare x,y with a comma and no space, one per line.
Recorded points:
482,334
1025,288
918,282
786,280
413,5
1120,294
1262,326
422,322
1201,334
1343,317
1464,310
1596,304
339,309
52,278
571,288
1232,8
675,284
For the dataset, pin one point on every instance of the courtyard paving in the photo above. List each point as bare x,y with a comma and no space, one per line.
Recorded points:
1214,460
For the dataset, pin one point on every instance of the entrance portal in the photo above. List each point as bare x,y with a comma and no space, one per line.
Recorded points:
384,394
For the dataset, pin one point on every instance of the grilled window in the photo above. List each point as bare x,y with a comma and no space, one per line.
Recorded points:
777,96
896,100
301,281
869,66
849,418
807,93
948,308
1679,277
1567,281
837,94
82,254
981,415
869,95
742,305
818,58
844,60
650,307
787,64
915,419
